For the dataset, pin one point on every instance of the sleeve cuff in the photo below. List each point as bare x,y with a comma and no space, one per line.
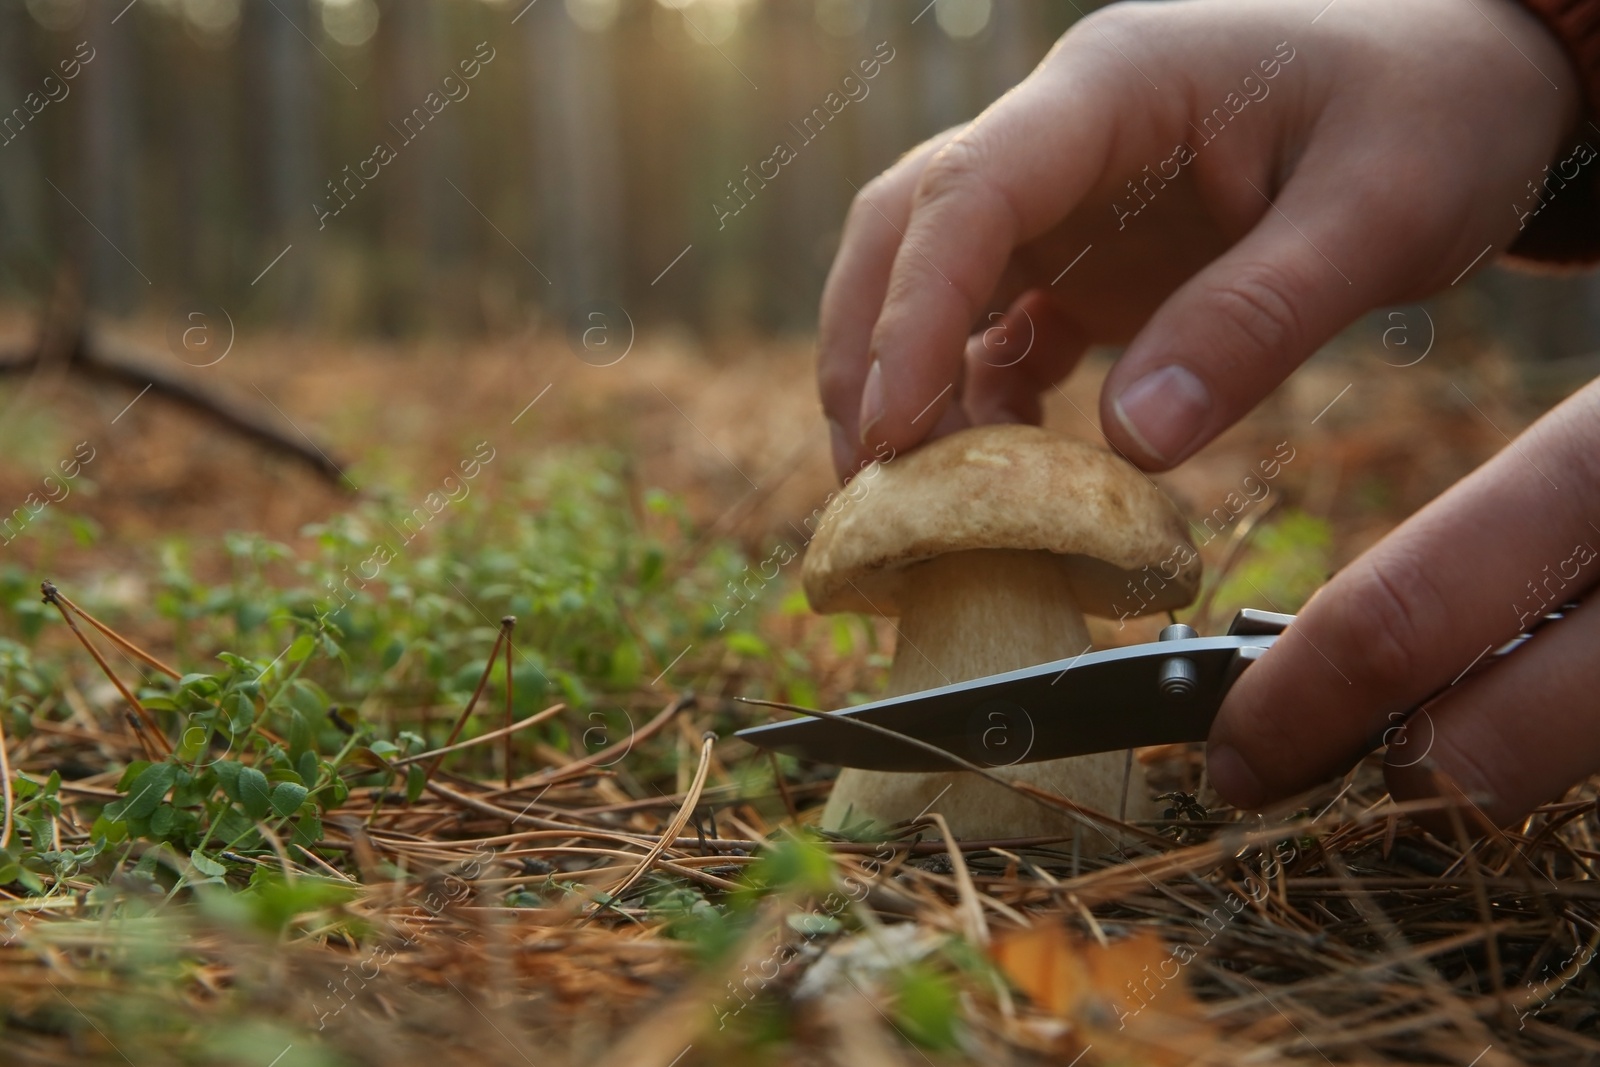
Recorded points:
1562,225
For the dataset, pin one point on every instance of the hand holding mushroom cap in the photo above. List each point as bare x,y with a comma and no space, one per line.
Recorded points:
990,545
1277,235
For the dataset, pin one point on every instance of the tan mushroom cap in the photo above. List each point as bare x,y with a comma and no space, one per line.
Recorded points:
1005,487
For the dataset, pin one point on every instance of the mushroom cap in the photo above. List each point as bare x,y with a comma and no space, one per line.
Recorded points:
1004,487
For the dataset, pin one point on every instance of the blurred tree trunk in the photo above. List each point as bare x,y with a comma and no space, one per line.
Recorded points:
805,208
1015,46
208,217
23,240
107,186
737,103
941,78
282,66
884,128
576,171
450,218
404,52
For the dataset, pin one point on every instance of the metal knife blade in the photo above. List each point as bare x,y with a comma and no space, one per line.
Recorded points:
1098,702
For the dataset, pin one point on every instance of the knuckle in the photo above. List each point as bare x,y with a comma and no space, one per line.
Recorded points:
1119,22
1258,303
953,171
868,203
1112,37
1383,627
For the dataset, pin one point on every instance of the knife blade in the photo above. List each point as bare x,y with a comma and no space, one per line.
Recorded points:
1161,692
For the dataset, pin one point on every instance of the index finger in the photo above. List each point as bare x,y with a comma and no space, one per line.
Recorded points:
1017,170
854,291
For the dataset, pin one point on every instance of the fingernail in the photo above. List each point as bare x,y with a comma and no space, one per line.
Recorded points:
1164,411
1233,778
844,453
871,400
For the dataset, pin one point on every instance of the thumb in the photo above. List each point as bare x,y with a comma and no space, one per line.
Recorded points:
1317,259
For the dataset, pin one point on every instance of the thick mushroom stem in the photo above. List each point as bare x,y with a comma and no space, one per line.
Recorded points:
965,615
968,614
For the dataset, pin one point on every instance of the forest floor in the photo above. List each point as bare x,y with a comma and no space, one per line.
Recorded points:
307,879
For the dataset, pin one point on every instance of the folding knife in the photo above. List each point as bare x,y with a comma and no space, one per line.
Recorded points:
1157,693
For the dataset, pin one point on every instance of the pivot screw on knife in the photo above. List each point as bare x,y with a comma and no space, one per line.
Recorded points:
1178,678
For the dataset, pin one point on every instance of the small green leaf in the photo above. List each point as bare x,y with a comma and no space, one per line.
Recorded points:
844,638
287,796
651,566
307,831
308,698
791,863
255,793
228,772
248,615
927,1009
83,530
134,769
206,865
416,782
107,830
748,644
302,647
236,831
148,790
241,711
625,665
192,742
301,735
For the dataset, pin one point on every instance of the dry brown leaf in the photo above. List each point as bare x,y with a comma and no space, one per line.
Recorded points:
1125,997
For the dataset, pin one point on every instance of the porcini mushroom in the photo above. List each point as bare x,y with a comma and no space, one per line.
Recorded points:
989,545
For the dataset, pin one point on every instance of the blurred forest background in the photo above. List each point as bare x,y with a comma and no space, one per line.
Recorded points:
539,160
205,137
588,153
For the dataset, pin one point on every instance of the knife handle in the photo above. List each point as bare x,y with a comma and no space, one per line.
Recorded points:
1486,659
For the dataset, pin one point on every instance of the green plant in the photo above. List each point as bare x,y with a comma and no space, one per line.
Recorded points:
1286,561
319,659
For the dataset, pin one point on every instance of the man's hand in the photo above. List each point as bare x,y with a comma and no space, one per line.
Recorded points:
1223,185
1220,184
1517,538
